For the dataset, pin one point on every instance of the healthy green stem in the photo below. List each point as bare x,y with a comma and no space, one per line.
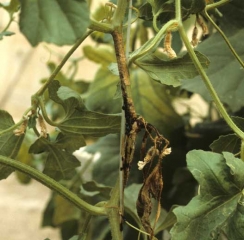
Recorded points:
119,13
155,17
100,27
153,43
9,23
44,113
204,76
59,67
217,4
53,185
113,212
242,150
225,38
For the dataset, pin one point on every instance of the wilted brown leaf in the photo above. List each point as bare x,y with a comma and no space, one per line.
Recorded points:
151,188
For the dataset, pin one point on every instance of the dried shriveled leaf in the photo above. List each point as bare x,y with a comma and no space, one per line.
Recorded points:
57,21
152,187
9,143
221,184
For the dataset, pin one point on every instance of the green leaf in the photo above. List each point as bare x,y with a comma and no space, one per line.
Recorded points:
54,21
130,197
102,55
151,98
66,97
70,142
59,164
153,103
239,121
78,120
105,169
9,143
236,169
26,158
173,71
164,10
224,72
228,143
234,228
90,123
91,189
168,221
64,211
221,182
100,96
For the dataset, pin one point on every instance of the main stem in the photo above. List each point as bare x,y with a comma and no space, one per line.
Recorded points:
53,185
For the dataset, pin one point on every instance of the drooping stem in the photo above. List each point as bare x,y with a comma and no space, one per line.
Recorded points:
204,76
53,185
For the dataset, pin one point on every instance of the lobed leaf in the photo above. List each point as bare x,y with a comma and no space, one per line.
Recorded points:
228,143
59,164
70,142
173,71
90,123
66,97
79,120
54,21
164,10
221,181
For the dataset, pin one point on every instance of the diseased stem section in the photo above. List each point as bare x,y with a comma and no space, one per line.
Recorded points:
124,75
128,105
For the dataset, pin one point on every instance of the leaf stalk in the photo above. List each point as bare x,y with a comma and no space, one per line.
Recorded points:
62,63
225,38
204,76
53,185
